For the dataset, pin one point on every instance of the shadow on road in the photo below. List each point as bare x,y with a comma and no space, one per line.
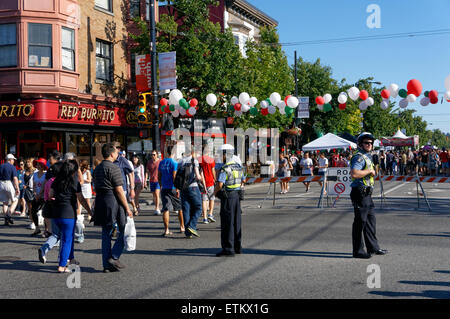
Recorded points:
432,235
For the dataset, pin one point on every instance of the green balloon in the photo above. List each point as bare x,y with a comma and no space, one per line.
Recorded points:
288,111
172,107
163,108
268,101
327,107
426,93
403,93
183,103
253,111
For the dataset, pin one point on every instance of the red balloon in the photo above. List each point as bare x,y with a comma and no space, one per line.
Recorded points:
414,87
363,95
434,101
433,95
265,111
320,100
163,102
286,98
342,106
167,109
237,107
385,94
193,102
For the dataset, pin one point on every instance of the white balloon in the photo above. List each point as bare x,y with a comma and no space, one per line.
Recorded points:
403,103
370,101
176,113
342,98
327,98
234,100
264,104
245,108
282,111
275,98
353,93
425,101
320,107
174,96
238,113
253,100
447,95
363,106
272,109
393,89
192,110
244,97
182,111
211,99
447,83
384,104
292,102
281,105
411,98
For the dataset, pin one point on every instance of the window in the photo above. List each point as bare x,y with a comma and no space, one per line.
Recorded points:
104,4
135,9
68,49
40,45
103,61
236,39
133,68
8,48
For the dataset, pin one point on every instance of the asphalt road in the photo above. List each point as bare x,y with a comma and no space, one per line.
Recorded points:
291,250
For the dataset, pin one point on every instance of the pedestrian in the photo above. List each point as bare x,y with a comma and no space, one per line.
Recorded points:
111,207
307,168
208,172
191,199
20,177
152,176
66,189
27,190
53,158
364,223
444,158
282,172
170,196
139,177
37,185
9,188
323,168
294,162
86,189
228,190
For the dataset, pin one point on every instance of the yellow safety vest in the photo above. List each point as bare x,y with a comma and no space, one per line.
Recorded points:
234,175
368,180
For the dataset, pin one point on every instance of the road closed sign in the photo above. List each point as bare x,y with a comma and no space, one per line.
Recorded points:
338,181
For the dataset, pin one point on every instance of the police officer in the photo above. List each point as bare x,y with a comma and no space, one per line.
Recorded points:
364,224
228,190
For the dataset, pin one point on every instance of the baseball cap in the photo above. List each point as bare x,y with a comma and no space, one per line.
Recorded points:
10,156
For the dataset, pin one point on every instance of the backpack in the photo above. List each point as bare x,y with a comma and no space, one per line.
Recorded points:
183,177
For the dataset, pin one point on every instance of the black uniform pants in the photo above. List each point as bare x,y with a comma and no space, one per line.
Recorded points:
364,224
230,222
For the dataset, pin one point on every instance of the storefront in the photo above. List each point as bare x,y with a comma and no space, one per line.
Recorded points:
34,127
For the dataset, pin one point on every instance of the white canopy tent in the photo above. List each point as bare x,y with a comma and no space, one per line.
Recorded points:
327,142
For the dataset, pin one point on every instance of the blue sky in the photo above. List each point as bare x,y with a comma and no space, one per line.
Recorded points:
426,58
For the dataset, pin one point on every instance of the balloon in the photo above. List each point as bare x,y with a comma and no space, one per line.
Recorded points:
353,93
234,100
327,107
433,95
286,98
403,103
447,95
320,107
183,103
275,98
426,93
237,107
342,106
192,110
403,93
176,113
411,98
175,95
393,89
253,111
288,110
384,104
268,101
163,102
320,100
414,87
385,94
244,97
264,104
282,111
193,102
434,101
272,109
363,95
327,98
425,101
264,111
172,107
253,100
281,105
370,101
182,111
245,108
238,113
363,106
211,99
292,102
447,83
342,98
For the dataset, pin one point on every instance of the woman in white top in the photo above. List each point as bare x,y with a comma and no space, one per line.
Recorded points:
86,188
37,185
139,176
323,167
307,164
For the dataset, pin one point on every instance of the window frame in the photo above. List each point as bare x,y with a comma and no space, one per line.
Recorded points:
68,49
133,3
30,44
110,4
110,74
10,45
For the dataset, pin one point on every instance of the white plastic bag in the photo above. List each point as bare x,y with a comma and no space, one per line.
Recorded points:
129,235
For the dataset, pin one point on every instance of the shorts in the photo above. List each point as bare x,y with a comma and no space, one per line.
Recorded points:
154,186
170,201
22,192
7,192
209,194
306,174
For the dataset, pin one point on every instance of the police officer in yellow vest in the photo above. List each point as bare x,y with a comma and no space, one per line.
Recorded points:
228,190
364,224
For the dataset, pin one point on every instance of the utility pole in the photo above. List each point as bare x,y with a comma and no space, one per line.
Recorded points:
155,128
295,74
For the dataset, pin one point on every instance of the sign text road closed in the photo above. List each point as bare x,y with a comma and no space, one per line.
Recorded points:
339,181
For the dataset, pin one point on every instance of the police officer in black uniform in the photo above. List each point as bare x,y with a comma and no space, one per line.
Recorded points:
229,190
364,224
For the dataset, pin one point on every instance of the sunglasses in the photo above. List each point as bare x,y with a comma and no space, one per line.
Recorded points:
368,143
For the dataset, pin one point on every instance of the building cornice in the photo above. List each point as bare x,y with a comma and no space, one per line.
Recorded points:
246,9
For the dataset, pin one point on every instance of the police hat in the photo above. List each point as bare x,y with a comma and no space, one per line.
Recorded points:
225,147
366,135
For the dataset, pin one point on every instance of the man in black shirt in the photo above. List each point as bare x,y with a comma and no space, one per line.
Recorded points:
111,207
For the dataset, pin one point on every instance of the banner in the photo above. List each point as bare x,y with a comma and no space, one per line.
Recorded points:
303,108
167,70
143,73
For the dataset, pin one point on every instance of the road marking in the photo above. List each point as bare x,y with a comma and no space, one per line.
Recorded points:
393,189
